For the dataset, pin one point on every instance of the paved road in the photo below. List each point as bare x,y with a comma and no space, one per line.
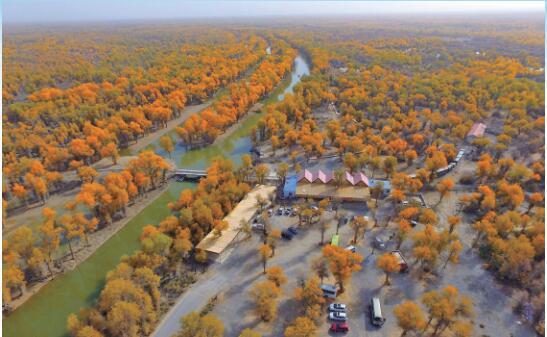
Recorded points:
215,280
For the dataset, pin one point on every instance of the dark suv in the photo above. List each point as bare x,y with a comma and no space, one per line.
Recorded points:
287,235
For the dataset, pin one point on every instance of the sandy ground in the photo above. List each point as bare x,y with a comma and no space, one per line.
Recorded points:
493,302
233,279
95,241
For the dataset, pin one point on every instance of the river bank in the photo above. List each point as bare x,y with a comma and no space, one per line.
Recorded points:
238,140
80,287
95,240
32,215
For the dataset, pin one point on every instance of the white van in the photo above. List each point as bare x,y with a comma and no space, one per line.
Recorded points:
376,312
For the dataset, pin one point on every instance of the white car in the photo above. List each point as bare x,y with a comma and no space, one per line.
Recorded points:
340,307
379,243
351,248
258,226
338,316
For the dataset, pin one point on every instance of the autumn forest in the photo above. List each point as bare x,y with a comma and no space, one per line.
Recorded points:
127,148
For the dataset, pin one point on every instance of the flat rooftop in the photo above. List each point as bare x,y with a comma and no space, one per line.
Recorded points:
244,211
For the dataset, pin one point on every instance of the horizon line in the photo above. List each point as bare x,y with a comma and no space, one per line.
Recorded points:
219,18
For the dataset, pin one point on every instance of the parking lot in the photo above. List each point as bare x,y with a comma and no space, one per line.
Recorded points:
295,256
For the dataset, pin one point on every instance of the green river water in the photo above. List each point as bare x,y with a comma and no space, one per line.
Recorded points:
44,315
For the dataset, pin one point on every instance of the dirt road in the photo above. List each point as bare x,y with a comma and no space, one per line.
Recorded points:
152,137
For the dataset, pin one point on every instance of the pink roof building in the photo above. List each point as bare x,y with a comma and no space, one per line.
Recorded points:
349,178
477,130
325,177
360,177
308,175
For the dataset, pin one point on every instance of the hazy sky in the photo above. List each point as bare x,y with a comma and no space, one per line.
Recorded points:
107,10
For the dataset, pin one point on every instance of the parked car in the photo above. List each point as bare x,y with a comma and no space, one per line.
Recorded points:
329,290
293,230
314,208
379,243
280,211
339,327
257,226
351,248
459,156
338,316
294,213
286,235
414,223
402,261
270,212
376,317
341,307
287,211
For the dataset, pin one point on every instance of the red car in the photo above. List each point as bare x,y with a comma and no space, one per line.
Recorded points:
339,327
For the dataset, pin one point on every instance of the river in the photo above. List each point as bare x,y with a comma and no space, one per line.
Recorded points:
45,313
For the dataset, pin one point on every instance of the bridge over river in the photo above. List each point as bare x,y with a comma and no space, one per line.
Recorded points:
80,287
182,174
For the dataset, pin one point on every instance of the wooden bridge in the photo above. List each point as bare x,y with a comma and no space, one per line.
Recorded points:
190,174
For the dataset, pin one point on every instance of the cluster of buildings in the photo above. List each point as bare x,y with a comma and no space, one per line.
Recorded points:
320,184
309,184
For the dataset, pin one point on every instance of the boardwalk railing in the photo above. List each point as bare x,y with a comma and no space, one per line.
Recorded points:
189,173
